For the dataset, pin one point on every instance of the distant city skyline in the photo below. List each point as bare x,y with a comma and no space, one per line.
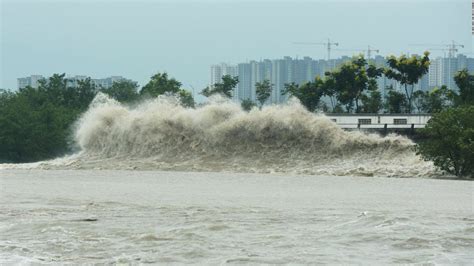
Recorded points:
300,70
183,38
72,81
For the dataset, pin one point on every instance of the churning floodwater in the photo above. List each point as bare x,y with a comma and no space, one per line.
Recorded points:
277,185
91,216
160,134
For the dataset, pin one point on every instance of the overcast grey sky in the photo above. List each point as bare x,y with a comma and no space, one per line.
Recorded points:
138,38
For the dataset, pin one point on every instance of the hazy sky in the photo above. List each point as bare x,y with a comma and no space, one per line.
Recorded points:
138,38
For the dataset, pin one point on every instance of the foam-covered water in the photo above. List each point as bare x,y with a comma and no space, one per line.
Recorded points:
220,136
137,217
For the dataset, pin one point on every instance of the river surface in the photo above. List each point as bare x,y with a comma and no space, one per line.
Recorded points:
102,216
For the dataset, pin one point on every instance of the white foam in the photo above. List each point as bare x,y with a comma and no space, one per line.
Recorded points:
220,136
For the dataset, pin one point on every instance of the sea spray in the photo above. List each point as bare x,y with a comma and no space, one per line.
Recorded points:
220,136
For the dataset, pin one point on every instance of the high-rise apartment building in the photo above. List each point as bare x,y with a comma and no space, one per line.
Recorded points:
278,71
220,70
244,88
442,70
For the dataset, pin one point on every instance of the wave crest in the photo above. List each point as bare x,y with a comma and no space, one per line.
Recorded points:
220,136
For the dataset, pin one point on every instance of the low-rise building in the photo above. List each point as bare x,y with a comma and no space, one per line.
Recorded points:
71,81
32,81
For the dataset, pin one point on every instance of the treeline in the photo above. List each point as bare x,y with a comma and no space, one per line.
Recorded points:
36,123
449,134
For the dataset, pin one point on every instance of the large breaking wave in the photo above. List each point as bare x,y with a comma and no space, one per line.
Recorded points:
220,136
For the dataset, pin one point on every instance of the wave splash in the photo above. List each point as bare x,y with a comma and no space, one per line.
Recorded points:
220,136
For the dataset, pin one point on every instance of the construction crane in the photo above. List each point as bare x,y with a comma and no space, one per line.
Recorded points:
328,45
452,47
368,51
441,49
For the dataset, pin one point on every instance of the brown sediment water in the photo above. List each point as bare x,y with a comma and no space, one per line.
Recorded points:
138,217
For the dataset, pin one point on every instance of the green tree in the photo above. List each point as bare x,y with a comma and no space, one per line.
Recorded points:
186,98
308,93
30,133
408,71
263,90
450,141
329,90
372,103
338,109
395,102
224,88
351,80
5,96
420,100
160,84
82,94
35,124
123,91
465,83
433,101
322,106
247,104
54,90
